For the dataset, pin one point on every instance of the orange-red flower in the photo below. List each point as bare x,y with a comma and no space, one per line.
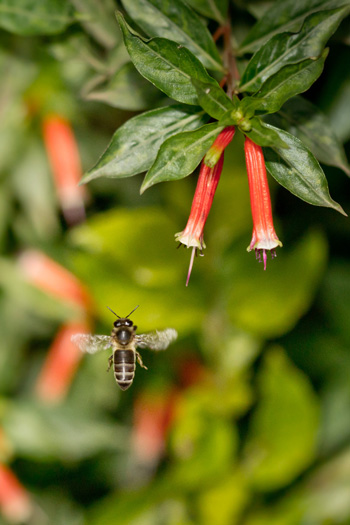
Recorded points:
15,502
264,236
64,158
61,363
63,356
209,176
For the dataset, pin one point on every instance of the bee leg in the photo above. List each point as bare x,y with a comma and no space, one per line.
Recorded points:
139,360
110,361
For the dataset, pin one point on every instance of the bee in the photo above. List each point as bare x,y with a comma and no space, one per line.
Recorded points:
123,341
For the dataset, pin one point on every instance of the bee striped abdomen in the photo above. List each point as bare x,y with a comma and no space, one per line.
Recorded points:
124,367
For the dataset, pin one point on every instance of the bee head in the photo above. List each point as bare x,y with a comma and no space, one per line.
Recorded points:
123,322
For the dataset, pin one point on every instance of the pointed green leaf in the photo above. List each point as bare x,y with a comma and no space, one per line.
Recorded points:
180,155
282,437
176,21
169,66
286,83
135,144
213,99
25,17
297,170
301,118
284,15
264,135
289,48
215,9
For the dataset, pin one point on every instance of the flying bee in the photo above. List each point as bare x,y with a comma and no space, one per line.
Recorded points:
123,341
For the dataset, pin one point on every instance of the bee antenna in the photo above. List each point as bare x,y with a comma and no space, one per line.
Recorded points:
132,311
114,312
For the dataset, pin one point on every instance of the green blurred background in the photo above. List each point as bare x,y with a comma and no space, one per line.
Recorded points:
253,400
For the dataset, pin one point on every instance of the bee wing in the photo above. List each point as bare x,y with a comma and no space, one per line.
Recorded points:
92,343
158,340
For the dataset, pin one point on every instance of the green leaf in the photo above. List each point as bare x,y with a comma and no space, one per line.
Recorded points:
301,118
224,502
98,20
338,110
213,99
175,21
288,286
297,170
216,9
286,83
127,89
42,432
135,144
180,155
169,66
284,15
289,48
282,437
28,17
195,430
264,135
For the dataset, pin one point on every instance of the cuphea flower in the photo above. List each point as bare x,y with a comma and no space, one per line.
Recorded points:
209,176
264,236
192,235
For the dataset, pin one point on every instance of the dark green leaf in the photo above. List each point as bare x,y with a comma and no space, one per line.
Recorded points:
284,15
286,83
135,145
299,172
169,66
127,89
289,48
264,135
180,155
301,118
175,21
213,99
216,9
28,17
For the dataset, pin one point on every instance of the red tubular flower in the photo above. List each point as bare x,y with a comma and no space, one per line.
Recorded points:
152,418
60,364
63,154
52,278
63,356
15,503
264,235
209,176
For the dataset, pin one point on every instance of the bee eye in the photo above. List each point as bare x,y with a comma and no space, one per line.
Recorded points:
117,323
128,323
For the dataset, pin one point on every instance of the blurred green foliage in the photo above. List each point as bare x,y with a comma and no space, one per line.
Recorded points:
261,436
